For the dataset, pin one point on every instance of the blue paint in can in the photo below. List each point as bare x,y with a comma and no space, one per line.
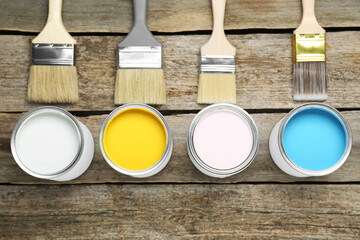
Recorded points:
314,139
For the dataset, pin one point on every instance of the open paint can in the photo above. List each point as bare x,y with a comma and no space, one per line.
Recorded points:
135,140
49,143
313,139
222,140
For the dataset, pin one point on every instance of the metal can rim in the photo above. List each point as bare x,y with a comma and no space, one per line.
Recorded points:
211,170
160,164
32,113
343,158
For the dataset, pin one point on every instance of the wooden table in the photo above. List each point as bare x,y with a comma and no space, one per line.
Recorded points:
260,203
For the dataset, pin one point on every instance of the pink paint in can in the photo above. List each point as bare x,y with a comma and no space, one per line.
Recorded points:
222,140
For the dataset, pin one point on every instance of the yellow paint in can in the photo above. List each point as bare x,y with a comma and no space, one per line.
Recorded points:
135,139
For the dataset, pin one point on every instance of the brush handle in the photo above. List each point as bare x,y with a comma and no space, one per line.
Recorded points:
309,24
54,30
140,34
218,43
140,12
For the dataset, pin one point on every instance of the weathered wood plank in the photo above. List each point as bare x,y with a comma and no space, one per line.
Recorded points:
175,16
180,212
180,169
264,71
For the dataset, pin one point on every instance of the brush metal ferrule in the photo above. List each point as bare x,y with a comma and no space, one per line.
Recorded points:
217,64
309,48
53,54
140,57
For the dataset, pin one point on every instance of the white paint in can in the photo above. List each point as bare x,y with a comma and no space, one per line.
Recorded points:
49,143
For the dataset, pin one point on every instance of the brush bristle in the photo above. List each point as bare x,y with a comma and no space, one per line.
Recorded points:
53,84
216,87
309,79
140,86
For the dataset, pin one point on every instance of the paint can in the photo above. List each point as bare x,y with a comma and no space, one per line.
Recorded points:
313,139
50,143
135,140
222,140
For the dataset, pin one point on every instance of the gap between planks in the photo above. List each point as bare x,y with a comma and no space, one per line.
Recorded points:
182,112
52,183
198,32
163,16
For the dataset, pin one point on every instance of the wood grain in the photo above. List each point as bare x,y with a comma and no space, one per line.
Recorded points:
180,169
175,16
264,71
180,202
180,212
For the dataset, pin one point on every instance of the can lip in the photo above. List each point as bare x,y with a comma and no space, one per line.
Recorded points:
198,162
164,158
29,115
339,163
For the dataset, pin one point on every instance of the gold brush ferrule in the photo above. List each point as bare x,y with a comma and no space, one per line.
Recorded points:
309,48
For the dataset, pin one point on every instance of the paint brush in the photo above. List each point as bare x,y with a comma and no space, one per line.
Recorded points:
309,73
140,77
53,77
217,63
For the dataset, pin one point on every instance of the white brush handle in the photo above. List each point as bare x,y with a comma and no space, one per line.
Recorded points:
54,30
218,43
309,24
